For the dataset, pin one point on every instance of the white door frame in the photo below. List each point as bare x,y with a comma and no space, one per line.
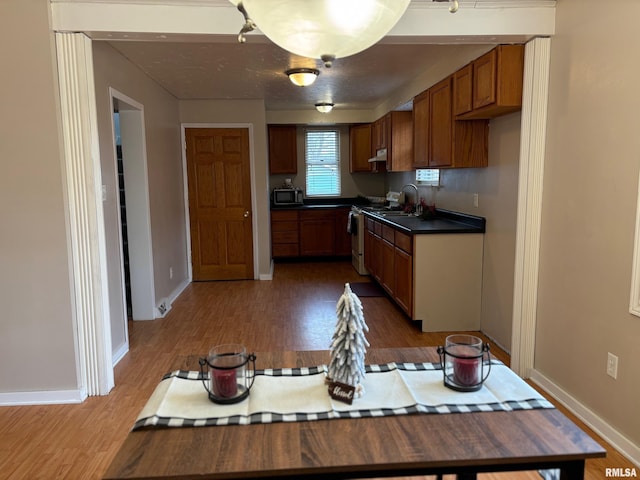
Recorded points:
134,148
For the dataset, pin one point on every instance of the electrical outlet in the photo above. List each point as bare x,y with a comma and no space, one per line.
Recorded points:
475,200
612,365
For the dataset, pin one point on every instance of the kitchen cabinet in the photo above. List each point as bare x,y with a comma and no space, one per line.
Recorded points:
399,141
373,249
360,148
284,233
381,133
388,257
388,274
421,129
403,264
441,123
440,141
283,149
434,278
491,85
311,232
317,232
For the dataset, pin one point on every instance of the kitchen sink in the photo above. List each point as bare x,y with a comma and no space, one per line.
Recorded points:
393,213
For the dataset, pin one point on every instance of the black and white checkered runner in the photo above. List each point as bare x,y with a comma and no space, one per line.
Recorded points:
300,394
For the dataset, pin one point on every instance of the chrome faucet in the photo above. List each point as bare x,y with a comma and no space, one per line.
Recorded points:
417,200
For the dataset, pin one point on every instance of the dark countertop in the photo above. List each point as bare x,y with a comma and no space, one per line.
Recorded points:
335,202
445,221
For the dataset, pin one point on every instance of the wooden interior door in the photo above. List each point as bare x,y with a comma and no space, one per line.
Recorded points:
219,182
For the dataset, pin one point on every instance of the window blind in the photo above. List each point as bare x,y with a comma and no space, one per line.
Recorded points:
428,176
322,156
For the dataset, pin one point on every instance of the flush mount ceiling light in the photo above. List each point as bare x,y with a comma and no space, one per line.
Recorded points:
324,29
324,107
302,77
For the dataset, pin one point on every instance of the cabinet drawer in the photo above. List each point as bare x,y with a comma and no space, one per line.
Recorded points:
371,225
284,226
285,250
387,233
322,214
403,242
284,215
377,228
285,237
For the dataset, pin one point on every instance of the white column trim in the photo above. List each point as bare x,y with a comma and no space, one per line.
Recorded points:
530,184
86,221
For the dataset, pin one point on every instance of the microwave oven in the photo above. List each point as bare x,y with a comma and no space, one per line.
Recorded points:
287,196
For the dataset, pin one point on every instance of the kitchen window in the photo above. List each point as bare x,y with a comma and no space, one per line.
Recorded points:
322,158
428,176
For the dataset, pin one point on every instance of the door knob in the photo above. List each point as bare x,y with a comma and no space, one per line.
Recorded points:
246,214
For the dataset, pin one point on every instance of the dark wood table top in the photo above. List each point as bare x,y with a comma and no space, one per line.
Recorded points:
423,444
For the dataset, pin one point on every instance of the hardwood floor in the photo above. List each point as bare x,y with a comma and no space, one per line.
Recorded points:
295,311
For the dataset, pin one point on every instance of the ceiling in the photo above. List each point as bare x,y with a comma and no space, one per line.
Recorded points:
218,67
256,70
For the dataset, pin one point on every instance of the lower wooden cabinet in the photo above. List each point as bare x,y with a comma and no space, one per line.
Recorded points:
388,257
310,232
284,233
317,233
433,278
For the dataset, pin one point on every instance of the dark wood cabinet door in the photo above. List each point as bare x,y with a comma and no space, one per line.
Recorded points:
441,123
388,276
403,292
317,233
360,150
484,85
463,90
421,130
283,150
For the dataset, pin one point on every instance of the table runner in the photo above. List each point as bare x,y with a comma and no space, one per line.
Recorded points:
300,394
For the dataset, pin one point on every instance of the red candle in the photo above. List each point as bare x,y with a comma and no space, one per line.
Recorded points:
224,383
465,366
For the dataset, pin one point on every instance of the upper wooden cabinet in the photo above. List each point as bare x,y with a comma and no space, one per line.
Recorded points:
491,85
399,141
421,129
283,150
360,148
440,141
381,133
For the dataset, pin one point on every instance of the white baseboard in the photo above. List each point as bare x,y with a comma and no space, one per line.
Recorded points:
120,353
267,276
164,305
618,441
48,397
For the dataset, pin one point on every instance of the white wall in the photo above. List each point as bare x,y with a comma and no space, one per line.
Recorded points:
588,216
164,166
36,323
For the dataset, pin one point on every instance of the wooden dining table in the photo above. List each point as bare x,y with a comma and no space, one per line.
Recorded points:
464,444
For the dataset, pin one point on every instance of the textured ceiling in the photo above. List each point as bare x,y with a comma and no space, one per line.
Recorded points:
218,67
256,70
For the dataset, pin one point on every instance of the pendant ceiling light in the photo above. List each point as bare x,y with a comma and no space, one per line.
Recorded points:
324,107
322,29
302,77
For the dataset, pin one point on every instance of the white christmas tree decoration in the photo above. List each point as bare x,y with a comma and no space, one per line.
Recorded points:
348,346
